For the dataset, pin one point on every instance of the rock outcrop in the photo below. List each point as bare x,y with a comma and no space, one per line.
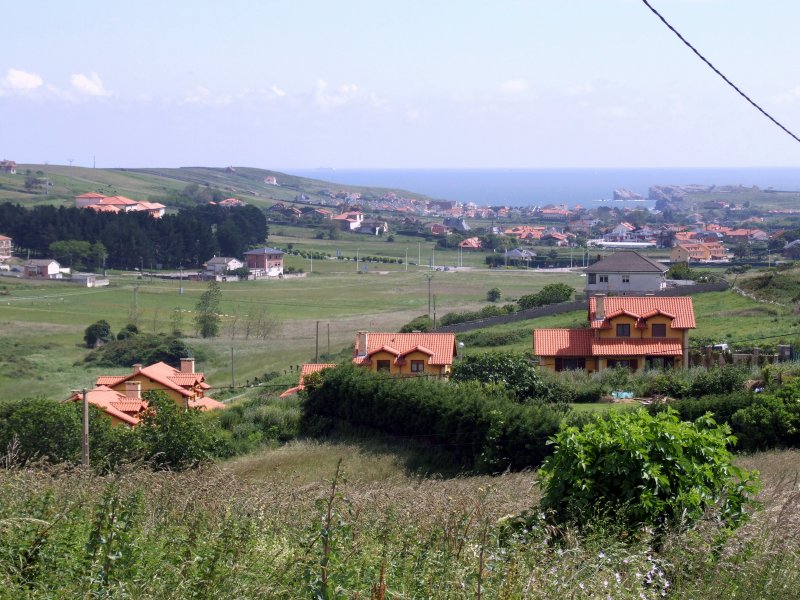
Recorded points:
625,194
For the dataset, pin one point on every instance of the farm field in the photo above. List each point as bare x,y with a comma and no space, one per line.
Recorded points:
42,344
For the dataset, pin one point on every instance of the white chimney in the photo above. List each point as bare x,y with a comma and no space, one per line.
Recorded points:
187,365
133,390
599,310
361,343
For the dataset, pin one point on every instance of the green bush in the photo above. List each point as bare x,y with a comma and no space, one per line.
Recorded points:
515,370
99,331
422,323
552,293
493,295
477,424
646,470
34,428
145,348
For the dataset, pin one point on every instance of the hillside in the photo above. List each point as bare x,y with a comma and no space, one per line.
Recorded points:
245,183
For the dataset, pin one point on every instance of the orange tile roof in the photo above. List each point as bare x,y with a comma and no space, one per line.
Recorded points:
162,373
113,403
633,347
104,208
441,347
305,370
581,342
91,195
118,201
562,342
643,306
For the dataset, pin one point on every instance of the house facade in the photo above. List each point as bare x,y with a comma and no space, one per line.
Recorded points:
634,332
5,247
219,265
698,252
184,386
625,273
42,268
264,262
406,354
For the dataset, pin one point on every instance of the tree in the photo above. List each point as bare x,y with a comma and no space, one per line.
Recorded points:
493,295
646,470
173,437
97,332
208,316
512,369
39,428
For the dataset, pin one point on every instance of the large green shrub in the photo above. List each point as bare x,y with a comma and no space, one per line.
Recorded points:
479,425
144,348
552,293
99,331
34,428
514,370
645,470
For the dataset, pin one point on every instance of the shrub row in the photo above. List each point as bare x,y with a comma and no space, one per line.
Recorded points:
481,426
452,318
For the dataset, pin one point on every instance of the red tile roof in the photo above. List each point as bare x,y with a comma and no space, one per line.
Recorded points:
441,347
113,403
680,308
581,342
305,370
162,373
91,195
562,342
117,201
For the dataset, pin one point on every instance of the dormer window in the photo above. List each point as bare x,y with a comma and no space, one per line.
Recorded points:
624,330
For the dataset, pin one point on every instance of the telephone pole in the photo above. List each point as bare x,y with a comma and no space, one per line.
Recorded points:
429,276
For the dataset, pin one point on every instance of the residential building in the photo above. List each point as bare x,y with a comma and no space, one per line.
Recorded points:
219,265
456,224
349,221
184,386
409,354
698,252
42,268
5,247
633,332
306,370
8,166
473,243
89,280
625,272
373,227
264,262
88,199
116,204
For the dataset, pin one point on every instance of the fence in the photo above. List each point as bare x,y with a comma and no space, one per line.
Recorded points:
565,307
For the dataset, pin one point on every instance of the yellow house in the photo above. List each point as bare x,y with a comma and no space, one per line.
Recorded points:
406,354
634,332
698,252
120,396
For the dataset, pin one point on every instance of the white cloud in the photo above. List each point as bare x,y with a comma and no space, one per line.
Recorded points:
788,97
326,100
22,80
514,86
277,91
89,85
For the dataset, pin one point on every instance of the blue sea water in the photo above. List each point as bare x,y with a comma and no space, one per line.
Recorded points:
526,187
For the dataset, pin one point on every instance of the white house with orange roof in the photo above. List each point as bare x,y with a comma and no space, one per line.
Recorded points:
634,332
116,204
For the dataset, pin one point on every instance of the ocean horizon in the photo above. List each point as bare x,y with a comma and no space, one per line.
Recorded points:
528,187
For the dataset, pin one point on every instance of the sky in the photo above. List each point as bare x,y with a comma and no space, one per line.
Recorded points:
398,84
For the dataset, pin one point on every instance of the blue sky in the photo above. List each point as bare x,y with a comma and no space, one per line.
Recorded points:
411,84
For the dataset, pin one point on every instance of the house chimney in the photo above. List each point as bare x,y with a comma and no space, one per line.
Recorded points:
133,390
137,367
599,309
361,343
187,365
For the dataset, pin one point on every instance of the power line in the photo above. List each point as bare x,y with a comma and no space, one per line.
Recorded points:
717,71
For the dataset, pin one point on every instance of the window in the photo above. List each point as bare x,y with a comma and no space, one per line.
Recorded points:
603,278
592,278
624,363
417,366
570,364
626,279
623,330
659,362
384,365
659,330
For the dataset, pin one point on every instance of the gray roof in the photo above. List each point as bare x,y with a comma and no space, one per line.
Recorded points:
220,260
40,262
264,251
626,261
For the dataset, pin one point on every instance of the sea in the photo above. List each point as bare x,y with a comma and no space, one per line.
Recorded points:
531,187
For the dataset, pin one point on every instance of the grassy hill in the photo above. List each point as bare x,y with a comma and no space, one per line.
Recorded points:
244,183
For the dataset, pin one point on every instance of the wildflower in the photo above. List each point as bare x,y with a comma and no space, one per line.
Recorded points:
601,555
618,577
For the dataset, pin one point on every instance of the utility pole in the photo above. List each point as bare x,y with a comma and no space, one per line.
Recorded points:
329,341
316,351
233,380
85,461
429,276
406,260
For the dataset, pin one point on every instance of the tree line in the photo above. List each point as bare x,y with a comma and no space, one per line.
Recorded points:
136,239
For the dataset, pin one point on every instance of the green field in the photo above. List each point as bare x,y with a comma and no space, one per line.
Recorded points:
43,323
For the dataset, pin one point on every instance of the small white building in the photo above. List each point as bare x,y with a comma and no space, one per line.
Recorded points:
42,268
5,247
625,273
89,280
219,265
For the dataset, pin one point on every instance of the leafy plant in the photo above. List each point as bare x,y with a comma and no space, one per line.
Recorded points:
648,470
99,331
